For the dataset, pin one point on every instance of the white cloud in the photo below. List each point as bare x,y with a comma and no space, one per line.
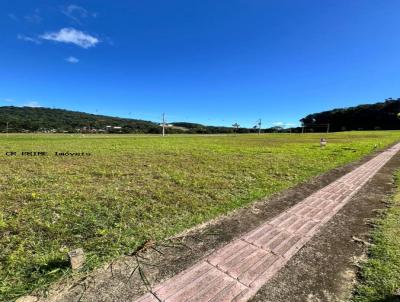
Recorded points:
32,104
73,36
72,60
29,39
278,123
77,13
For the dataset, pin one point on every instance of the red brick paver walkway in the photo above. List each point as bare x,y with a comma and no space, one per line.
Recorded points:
238,270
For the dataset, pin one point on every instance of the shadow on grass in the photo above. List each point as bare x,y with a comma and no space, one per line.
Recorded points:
393,298
53,266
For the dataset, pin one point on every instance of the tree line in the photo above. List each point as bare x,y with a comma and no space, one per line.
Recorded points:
379,116
31,119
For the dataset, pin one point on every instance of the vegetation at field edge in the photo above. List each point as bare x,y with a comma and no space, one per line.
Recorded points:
380,275
138,188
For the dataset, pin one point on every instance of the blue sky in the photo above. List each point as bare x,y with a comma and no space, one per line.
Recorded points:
209,61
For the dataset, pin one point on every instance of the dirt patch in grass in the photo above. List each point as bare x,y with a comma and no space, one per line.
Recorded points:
323,268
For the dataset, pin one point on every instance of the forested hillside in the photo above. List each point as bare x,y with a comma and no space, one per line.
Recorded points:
39,119
20,119
30,119
379,116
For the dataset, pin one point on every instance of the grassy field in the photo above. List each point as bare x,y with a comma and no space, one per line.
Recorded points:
135,188
380,276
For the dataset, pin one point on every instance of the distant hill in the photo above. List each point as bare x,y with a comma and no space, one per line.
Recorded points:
32,119
29,119
382,116
199,128
379,116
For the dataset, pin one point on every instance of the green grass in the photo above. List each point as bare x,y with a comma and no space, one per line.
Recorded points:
136,188
380,275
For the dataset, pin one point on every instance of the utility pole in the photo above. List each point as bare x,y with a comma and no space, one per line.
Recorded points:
259,126
163,124
236,126
327,129
7,128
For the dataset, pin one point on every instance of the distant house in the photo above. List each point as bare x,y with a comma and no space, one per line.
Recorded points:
113,129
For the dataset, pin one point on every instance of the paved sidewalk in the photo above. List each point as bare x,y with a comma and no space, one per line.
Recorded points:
238,270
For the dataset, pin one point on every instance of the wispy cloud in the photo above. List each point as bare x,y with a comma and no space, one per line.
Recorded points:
72,36
32,104
283,124
29,39
34,18
7,100
72,60
77,13
13,17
